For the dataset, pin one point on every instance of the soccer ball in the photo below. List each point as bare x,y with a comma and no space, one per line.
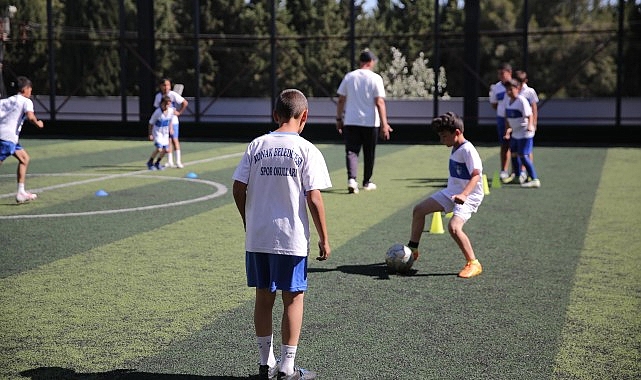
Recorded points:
399,258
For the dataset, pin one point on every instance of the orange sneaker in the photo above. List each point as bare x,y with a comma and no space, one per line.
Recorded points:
471,269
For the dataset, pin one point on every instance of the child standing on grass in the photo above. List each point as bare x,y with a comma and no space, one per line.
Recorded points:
520,131
462,196
160,128
13,112
180,105
278,178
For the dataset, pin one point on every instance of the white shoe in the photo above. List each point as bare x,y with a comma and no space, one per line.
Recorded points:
25,197
170,165
370,186
503,175
523,178
180,165
535,183
352,186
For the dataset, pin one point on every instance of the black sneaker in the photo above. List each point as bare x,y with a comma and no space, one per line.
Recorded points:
150,165
299,374
266,372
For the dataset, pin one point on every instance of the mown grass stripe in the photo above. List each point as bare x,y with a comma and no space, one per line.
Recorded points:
602,334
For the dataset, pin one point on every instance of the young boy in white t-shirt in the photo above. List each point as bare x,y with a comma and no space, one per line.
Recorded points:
278,178
462,196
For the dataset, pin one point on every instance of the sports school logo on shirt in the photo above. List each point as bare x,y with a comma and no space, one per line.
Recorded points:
280,170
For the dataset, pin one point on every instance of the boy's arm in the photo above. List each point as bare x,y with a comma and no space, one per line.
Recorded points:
239,190
317,209
462,197
31,116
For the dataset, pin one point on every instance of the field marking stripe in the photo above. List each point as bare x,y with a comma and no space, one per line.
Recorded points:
111,176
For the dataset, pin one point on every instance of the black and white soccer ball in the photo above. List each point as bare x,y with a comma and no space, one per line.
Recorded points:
399,258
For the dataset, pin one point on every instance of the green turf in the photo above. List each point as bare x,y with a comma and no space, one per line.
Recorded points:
162,291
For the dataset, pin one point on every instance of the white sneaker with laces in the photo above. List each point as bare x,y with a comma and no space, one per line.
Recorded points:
370,186
535,183
25,197
352,186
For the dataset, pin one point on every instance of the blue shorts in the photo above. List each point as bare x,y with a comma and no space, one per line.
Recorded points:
500,129
176,126
276,272
160,146
7,148
522,147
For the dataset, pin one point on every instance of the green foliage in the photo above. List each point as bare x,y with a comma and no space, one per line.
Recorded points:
572,46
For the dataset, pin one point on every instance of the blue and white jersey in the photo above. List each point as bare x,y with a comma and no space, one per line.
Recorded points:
279,169
517,114
13,112
161,122
463,161
497,94
176,102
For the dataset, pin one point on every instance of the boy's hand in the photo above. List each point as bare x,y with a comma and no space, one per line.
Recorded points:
323,251
459,198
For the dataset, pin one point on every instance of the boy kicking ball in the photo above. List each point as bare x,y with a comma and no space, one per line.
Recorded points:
462,196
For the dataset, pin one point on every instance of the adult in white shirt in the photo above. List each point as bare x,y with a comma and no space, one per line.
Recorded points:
361,116
180,105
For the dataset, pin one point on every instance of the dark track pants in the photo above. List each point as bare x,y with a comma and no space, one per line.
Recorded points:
355,138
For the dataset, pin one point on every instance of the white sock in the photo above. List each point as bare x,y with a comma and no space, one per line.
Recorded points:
266,350
178,160
170,159
287,357
21,187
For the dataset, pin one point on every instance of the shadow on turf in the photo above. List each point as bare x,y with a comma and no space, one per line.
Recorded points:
378,271
57,373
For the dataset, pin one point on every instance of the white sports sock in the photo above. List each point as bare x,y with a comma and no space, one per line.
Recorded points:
287,357
170,159
266,350
178,160
21,187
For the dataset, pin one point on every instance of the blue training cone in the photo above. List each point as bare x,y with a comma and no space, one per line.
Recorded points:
191,175
101,193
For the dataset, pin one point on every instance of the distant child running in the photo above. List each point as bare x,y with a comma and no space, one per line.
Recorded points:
520,132
160,128
277,180
462,196
13,112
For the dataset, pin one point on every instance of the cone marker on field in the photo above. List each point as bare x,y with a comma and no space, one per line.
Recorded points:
437,223
101,193
486,188
191,175
496,181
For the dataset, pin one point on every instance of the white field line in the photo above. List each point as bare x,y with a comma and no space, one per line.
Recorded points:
220,190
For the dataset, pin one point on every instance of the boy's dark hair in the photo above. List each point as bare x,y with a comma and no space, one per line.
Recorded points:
448,122
22,82
291,103
163,80
520,76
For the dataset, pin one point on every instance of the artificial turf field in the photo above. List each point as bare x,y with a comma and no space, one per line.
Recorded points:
148,282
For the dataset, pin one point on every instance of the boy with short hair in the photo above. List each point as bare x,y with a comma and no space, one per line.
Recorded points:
13,112
462,196
161,127
278,178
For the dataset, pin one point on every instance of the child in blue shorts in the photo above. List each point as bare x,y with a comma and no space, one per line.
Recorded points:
278,178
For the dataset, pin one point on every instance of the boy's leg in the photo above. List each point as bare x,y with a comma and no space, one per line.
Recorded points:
421,210
23,164
472,267
291,325
455,228
263,307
